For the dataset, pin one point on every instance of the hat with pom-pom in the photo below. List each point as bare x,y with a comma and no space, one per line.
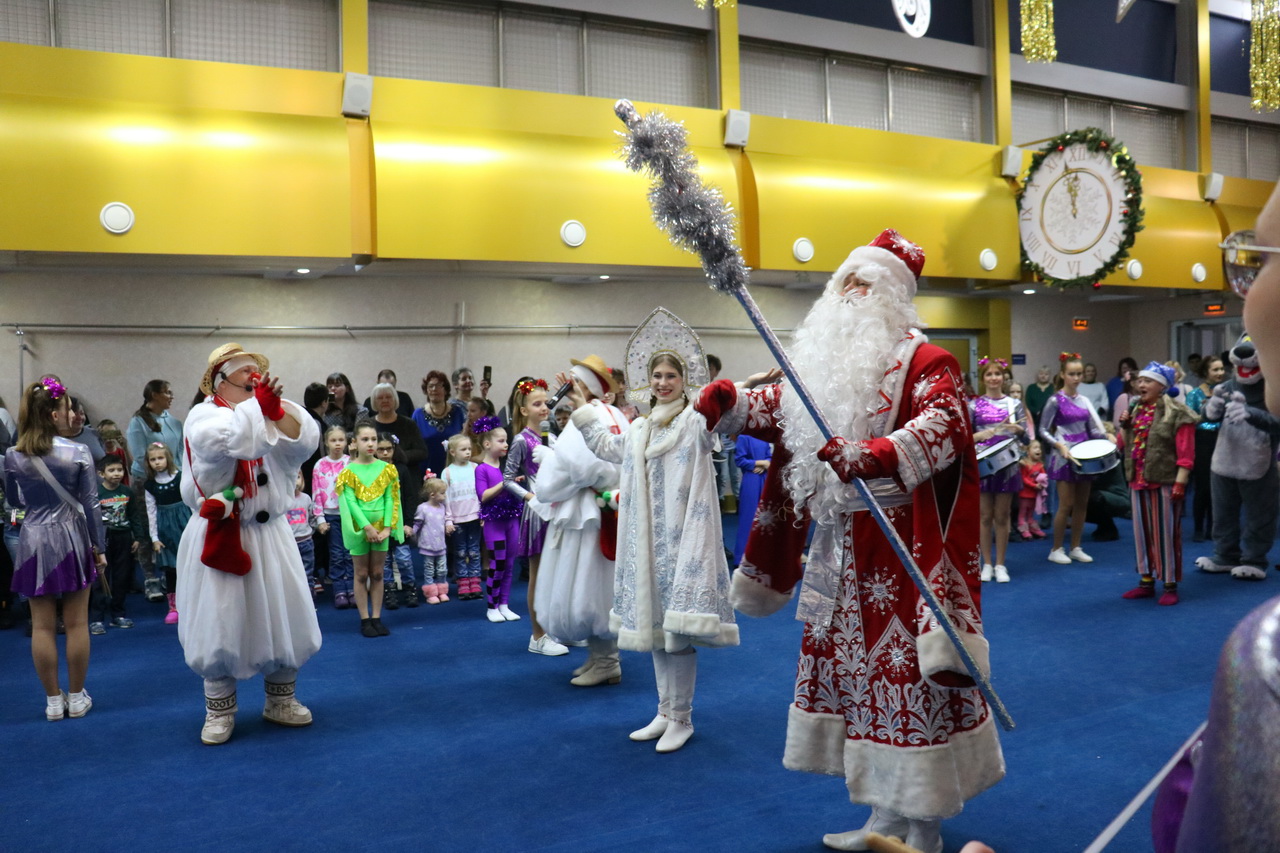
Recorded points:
1161,373
889,258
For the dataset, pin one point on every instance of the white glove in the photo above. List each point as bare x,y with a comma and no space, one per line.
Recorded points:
540,454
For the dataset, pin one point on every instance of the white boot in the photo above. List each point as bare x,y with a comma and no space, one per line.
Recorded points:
882,821
604,665
219,720
283,708
682,673
659,723
925,836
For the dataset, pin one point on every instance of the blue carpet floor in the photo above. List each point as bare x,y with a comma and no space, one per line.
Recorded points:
448,735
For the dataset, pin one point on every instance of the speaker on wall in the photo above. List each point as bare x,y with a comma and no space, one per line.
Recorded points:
357,95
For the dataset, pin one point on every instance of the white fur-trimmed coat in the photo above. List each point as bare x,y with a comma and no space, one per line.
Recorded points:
671,586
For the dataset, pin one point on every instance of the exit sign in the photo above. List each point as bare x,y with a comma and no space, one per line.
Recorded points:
1080,324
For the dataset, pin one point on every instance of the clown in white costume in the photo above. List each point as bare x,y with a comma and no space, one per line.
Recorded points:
575,585
242,592
671,589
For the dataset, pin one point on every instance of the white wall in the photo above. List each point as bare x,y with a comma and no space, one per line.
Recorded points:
107,367
1041,328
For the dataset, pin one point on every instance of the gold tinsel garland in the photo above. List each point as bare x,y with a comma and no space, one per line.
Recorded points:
1264,55
1038,43
702,4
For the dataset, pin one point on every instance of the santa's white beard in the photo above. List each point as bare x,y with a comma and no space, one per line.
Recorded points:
841,351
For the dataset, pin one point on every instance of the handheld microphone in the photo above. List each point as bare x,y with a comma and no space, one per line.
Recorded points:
555,398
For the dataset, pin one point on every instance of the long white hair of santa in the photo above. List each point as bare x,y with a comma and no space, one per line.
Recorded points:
841,351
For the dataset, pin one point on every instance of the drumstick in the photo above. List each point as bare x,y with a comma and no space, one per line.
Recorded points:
887,844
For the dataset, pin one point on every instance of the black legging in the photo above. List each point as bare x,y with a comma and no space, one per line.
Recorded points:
1202,503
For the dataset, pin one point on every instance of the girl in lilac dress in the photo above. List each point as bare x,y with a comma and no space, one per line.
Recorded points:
996,418
1068,419
529,407
62,542
500,515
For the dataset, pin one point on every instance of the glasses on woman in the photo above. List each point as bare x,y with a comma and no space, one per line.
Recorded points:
1242,258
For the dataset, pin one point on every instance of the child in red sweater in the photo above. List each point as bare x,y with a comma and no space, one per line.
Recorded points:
1035,485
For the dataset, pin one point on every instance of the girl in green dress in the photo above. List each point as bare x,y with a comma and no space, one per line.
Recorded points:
368,492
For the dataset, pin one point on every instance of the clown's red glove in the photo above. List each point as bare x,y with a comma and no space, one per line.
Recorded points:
1179,492
866,460
269,402
716,398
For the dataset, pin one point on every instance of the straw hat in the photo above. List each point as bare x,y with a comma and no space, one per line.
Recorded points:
221,356
596,365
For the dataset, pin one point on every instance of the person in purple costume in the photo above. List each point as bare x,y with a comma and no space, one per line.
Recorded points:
500,512
62,542
1069,418
996,418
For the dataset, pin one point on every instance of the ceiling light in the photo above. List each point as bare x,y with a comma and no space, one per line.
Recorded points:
1030,291
302,270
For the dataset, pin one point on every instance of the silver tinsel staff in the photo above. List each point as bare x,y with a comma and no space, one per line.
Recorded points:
699,220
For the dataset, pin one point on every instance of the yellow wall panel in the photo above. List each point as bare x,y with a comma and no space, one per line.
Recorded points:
840,186
472,173
199,182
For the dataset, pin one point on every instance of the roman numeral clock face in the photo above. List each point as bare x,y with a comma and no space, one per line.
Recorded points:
1073,214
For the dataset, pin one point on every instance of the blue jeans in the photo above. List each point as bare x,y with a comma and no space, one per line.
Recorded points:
340,568
307,550
727,473
465,544
400,566
435,569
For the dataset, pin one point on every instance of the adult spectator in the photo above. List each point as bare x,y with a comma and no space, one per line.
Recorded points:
1121,383
82,434
7,420
62,543
464,383
437,420
1095,391
405,431
315,399
343,409
404,403
1038,393
153,422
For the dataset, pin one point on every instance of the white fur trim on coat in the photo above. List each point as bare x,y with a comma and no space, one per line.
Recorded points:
734,419
937,655
918,782
754,597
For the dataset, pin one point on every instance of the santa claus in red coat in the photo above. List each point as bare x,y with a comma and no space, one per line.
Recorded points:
882,698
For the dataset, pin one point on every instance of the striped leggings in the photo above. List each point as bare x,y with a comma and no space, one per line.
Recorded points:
1157,534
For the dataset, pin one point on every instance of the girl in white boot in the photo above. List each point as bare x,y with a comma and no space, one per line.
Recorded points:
672,582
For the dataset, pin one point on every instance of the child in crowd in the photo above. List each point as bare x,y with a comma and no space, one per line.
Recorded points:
1031,498
368,492
114,498
429,528
478,408
114,444
303,521
323,476
462,516
403,586
500,511
529,406
167,517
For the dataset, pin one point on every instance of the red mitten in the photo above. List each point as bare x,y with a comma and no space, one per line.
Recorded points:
269,402
222,549
716,399
850,459
1179,492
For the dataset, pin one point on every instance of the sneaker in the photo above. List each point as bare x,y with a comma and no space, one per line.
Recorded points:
217,727
493,615
78,704
97,628
410,594
121,622
986,572
391,599
1059,556
508,614
1002,574
154,589
1080,556
317,587
545,645
55,707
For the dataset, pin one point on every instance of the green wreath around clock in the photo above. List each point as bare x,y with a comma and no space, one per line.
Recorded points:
1079,208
